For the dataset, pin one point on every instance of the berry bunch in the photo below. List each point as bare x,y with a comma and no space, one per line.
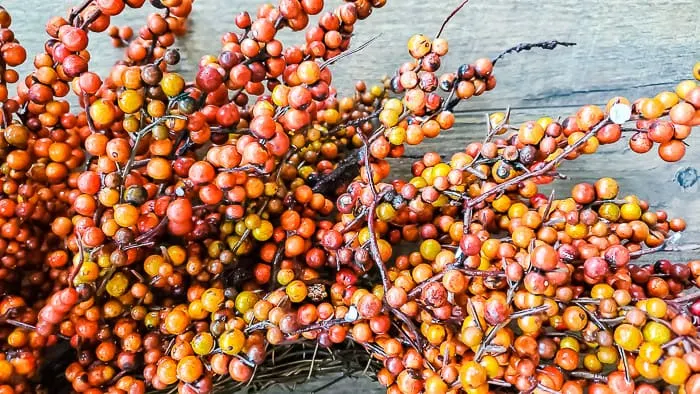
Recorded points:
12,54
169,234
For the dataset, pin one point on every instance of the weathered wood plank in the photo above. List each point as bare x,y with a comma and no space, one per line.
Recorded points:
632,48
628,47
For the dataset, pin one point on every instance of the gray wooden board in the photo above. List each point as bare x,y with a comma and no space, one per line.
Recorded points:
631,48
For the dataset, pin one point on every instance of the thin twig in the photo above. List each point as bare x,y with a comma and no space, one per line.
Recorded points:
625,364
350,52
489,337
452,14
588,376
313,359
418,337
322,325
374,246
416,291
77,10
81,259
687,297
26,326
91,18
546,389
528,46
491,131
142,133
547,209
546,168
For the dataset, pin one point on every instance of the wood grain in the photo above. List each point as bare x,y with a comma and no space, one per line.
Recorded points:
632,48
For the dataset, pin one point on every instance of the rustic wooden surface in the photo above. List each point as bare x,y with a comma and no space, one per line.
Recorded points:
632,48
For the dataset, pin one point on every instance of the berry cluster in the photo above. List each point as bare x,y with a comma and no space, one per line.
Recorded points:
170,234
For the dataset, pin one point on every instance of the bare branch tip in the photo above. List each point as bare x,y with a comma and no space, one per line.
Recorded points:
452,14
549,45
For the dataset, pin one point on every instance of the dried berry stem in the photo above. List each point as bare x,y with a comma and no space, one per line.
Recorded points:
374,247
452,14
416,291
542,171
528,46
